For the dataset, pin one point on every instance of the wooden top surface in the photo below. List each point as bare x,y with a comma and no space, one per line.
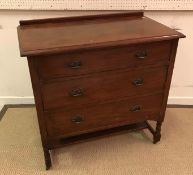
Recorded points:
58,35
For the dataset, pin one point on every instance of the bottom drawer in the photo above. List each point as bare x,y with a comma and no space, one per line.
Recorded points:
82,120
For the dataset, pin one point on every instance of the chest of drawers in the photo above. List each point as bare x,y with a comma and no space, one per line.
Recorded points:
100,74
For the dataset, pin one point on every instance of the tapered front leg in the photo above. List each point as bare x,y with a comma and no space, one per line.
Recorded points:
157,133
47,159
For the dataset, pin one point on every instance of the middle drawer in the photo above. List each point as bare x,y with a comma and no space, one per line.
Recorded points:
100,87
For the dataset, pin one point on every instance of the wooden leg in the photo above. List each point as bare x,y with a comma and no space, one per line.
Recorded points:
47,159
157,133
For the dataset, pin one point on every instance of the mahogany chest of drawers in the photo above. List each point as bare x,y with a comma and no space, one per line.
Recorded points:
99,74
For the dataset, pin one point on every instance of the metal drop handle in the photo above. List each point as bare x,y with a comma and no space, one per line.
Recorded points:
135,108
77,119
141,55
75,64
138,82
76,93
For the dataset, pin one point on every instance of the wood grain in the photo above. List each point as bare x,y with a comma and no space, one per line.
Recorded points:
103,60
60,37
101,87
107,115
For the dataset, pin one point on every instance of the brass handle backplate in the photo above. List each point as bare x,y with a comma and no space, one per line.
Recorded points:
76,93
75,64
135,108
77,119
138,82
141,55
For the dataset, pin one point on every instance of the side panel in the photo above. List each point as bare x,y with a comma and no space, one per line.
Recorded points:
38,100
169,77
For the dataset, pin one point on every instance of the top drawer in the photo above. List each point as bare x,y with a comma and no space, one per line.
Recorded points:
92,61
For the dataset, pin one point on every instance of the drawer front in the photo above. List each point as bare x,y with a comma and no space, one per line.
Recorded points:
103,60
103,116
105,86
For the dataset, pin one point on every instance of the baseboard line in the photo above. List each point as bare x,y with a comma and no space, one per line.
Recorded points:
179,106
3,111
7,106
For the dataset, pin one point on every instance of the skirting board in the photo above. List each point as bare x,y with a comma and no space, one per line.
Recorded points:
15,100
30,100
180,100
